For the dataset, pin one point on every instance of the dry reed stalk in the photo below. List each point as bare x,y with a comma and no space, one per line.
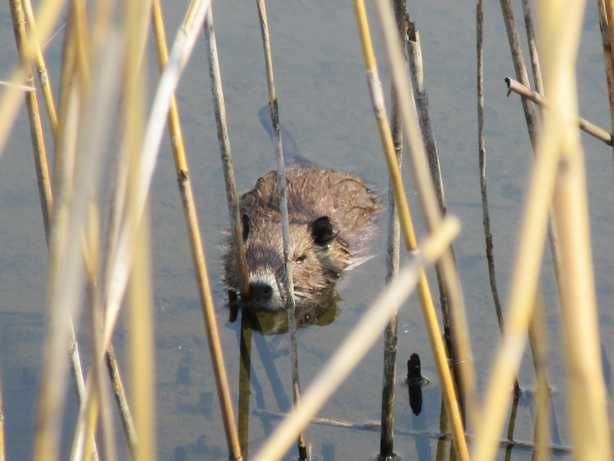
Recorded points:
245,373
41,67
539,339
538,81
586,126
557,133
225,151
428,200
42,174
407,227
78,21
523,77
392,268
140,329
357,343
185,186
283,205
587,399
120,262
492,275
10,100
432,211
65,259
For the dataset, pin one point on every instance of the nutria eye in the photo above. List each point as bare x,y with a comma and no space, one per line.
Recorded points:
322,231
245,224
301,258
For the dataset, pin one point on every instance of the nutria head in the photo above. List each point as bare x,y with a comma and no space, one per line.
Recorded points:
331,216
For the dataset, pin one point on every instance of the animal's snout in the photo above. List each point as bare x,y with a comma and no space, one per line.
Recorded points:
260,292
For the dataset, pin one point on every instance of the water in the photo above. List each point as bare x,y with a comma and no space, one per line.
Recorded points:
325,107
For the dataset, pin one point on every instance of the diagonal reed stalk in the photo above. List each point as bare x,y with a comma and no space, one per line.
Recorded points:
187,195
407,227
283,205
357,343
430,206
559,141
588,127
225,151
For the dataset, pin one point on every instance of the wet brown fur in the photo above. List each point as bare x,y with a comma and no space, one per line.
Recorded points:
312,192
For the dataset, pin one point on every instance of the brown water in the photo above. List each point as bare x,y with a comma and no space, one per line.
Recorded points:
325,107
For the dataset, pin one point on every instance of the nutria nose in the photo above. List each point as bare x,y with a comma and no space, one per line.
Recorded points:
260,292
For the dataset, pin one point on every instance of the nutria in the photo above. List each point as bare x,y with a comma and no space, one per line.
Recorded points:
332,218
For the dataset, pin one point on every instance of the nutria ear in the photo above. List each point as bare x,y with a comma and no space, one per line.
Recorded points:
322,231
245,225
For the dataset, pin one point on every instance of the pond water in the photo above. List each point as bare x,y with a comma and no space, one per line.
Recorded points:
325,108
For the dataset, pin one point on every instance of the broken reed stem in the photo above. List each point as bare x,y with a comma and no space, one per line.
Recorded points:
43,74
554,140
538,81
386,449
225,151
428,308
539,340
431,210
283,205
357,343
198,254
10,101
586,126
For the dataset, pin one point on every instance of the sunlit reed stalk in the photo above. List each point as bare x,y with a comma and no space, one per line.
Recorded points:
523,77
539,340
558,137
428,199
65,258
416,71
41,67
219,108
42,174
407,227
283,206
393,244
588,127
357,343
120,262
185,186
140,326
10,101
586,396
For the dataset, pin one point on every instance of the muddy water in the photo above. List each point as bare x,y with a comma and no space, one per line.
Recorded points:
325,108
